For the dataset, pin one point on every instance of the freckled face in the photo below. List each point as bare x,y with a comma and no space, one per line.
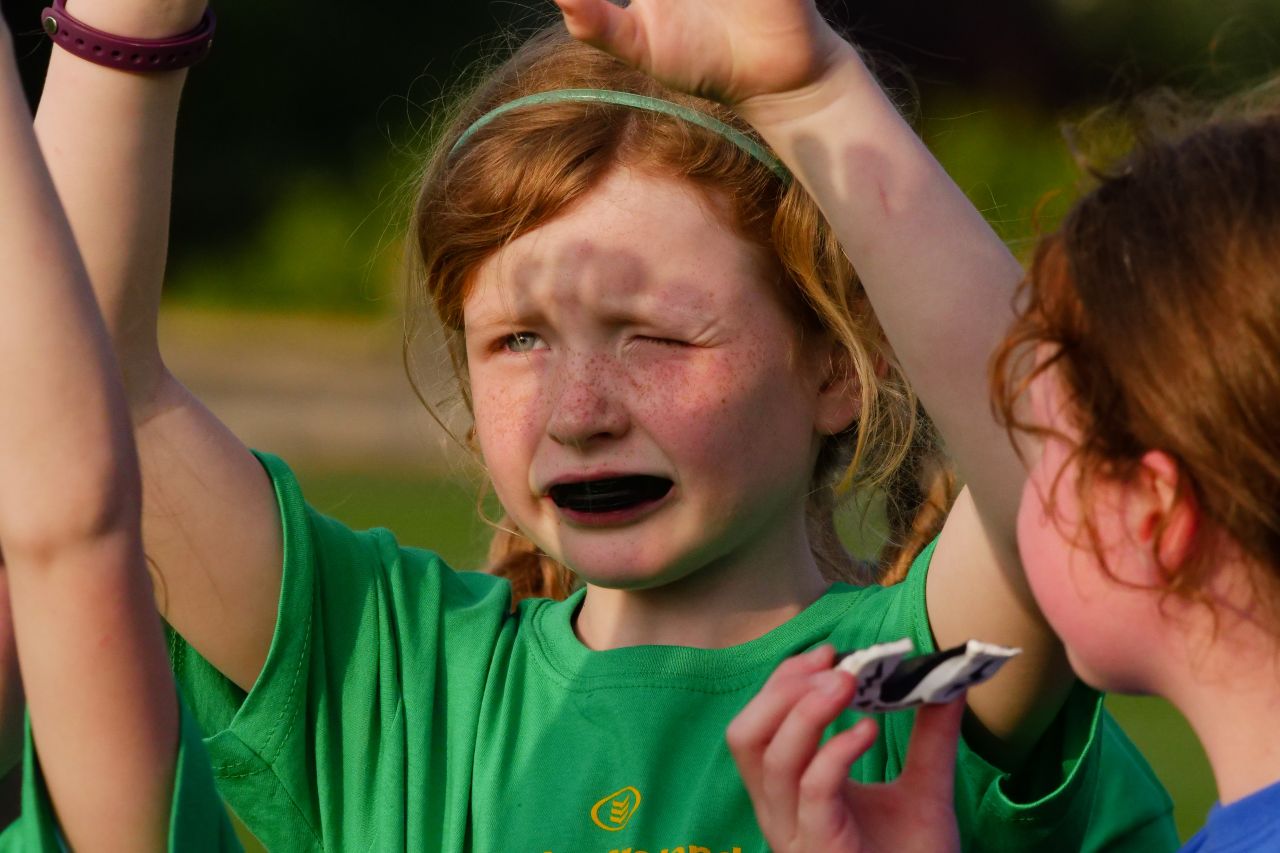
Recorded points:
633,336
1108,628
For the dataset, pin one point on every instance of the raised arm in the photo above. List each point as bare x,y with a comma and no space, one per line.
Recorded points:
103,707
210,522
940,280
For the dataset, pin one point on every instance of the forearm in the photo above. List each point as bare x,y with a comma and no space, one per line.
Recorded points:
108,137
942,284
86,631
939,278
102,701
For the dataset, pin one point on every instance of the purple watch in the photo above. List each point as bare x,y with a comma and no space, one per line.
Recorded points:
128,54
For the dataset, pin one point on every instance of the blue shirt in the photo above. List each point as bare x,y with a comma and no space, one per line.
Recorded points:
1248,824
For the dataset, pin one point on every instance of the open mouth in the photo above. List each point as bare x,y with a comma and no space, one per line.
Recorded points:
610,494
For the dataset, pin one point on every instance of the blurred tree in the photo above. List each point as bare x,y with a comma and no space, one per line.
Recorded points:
289,91
291,94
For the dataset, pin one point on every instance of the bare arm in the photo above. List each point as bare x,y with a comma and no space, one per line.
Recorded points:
940,280
210,523
86,629
942,285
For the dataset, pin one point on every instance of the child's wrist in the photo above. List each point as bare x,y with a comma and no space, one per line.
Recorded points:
139,19
842,75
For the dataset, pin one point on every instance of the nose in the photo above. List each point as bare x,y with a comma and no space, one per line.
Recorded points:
586,406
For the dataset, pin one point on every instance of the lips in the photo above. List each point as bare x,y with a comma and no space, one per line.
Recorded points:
609,494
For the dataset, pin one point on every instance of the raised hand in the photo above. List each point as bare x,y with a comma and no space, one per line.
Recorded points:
728,50
803,796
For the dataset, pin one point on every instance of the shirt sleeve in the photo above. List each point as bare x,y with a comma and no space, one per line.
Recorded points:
378,658
1091,788
197,818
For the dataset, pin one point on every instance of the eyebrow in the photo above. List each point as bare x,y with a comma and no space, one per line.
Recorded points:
486,321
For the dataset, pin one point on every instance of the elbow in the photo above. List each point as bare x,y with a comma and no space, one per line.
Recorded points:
72,511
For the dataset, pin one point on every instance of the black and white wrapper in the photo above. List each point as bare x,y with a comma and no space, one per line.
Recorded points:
889,680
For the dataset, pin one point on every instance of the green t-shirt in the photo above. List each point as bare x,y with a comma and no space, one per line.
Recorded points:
197,818
402,707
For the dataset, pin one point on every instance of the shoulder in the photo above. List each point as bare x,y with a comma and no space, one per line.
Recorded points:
311,536
1250,823
879,614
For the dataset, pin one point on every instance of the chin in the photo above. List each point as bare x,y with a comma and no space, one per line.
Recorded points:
1108,679
623,576
624,568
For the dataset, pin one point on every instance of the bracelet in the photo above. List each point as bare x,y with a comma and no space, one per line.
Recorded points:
128,54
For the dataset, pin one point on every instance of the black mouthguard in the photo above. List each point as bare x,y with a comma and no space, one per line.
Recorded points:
609,494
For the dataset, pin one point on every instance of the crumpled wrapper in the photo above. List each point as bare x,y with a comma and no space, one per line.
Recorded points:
889,680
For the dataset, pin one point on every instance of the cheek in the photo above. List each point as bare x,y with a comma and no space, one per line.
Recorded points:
1047,539
721,408
506,421
1038,545
1089,613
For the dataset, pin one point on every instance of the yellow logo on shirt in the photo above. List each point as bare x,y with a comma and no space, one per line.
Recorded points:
613,812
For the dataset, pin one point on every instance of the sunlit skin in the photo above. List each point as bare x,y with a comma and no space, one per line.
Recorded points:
637,334
1100,619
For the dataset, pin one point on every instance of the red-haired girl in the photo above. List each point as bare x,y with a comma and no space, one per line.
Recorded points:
671,366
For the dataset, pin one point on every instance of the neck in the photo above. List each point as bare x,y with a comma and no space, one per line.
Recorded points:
1231,697
721,604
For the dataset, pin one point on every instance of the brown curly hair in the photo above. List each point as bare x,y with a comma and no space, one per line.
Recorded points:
1157,307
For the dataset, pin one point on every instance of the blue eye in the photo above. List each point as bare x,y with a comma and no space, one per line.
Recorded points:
522,342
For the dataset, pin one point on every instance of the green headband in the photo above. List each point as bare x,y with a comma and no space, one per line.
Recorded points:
639,102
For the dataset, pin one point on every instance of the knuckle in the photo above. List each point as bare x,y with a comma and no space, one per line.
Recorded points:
812,784
777,762
815,710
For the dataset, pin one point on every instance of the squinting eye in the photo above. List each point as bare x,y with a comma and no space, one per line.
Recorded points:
521,342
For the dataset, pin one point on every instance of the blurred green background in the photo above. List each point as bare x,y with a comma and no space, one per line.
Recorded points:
300,138
304,128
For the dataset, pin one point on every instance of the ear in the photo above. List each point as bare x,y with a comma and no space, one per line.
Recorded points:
840,392
1163,516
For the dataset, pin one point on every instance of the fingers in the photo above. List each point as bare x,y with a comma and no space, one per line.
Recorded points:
752,730
931,756
775,737
609,27
792,749
822,809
